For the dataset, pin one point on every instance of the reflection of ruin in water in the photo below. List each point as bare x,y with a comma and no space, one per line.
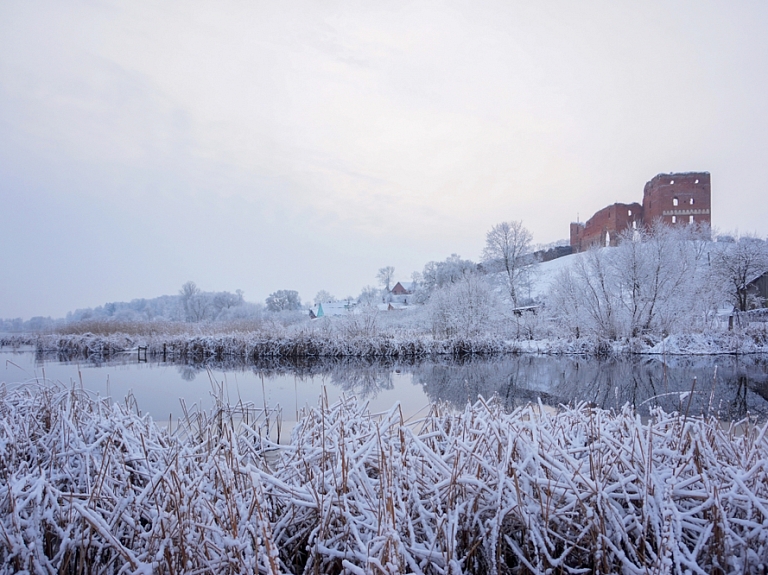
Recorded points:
729,386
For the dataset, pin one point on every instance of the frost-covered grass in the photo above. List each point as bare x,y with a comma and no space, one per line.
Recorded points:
86,486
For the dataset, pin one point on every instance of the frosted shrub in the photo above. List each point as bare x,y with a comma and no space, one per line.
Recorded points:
465,308
363,323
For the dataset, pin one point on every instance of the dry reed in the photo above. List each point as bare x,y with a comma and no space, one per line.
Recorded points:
86,486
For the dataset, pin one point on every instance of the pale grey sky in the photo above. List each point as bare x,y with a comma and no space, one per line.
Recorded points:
304,145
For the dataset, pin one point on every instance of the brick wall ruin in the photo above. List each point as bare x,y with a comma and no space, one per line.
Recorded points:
675,199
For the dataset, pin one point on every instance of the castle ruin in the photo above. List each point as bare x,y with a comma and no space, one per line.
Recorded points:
673,199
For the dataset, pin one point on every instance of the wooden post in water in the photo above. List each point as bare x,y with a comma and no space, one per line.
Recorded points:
144,349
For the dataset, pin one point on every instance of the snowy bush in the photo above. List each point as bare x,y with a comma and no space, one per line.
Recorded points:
467,307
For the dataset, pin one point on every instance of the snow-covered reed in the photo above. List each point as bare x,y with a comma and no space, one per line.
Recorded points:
86,486
90,487
490,492
256,346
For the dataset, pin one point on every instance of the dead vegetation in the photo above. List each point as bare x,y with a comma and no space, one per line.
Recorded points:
86,486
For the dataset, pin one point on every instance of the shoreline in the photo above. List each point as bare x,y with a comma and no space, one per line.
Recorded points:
254,346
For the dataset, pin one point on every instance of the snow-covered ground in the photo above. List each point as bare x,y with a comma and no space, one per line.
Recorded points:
546,274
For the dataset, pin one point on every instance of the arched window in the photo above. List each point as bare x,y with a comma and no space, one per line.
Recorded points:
675,201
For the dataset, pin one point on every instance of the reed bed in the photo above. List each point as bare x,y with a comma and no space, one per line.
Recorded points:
248,346
259,345
89,486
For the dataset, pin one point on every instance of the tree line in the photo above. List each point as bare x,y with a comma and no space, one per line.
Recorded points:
660,280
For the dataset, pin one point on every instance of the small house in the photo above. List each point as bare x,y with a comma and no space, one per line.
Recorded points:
331,308
759,288
402,289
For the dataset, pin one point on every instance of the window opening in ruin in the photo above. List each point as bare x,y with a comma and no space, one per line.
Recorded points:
696,182
691,201
607,239
629,212
674,219
671,181
674,201
634,225
690,219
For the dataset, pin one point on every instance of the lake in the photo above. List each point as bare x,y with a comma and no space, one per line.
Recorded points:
731,387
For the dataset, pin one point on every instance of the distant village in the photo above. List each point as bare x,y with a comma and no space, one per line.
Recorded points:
395,299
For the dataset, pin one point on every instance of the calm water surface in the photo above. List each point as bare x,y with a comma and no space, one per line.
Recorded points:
732,387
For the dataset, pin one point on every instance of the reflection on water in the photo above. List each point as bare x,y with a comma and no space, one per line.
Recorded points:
729,386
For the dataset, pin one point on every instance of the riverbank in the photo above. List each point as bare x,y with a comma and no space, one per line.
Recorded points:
254,345
89,485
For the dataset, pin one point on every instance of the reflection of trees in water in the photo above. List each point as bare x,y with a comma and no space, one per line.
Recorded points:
364,377
739,388
365,382
93,360
188,372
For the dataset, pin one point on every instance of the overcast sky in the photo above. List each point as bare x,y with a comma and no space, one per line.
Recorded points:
304,145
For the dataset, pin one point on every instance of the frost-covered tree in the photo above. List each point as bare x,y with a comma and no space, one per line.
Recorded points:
225,300
246,310
323,297
661,274
653,282
188,290
199,307
508,253
39,324
440,274
737,264
385,276
194,303
596,289
370,296
283,299
466,307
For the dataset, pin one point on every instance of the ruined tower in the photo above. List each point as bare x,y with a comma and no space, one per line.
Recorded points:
681,198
